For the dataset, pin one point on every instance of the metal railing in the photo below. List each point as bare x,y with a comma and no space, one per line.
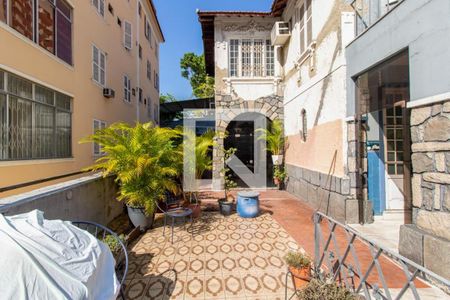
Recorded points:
358,263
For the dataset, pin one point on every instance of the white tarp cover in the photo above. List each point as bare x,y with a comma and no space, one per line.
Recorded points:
52,259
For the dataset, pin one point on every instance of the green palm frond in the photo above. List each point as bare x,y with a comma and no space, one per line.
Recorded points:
273,136
145,158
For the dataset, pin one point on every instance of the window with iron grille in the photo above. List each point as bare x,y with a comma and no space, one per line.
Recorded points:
35,121
126,89
258,62
98,150
246,58
99,6
98,66
46,22
251,58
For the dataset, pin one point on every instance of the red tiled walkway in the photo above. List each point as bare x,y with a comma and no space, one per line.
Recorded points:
296,218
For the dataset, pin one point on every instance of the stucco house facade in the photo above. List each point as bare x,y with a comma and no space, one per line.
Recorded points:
301,81
364,103
80,66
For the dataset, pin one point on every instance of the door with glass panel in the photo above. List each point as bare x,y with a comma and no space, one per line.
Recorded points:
396,152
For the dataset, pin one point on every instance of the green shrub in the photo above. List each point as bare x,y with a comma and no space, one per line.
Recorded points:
319,290
113,243
297,260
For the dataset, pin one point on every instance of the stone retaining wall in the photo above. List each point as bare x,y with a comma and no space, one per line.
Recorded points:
90,198
329,194
427,240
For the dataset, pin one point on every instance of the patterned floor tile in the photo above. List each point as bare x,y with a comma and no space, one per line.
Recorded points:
225,258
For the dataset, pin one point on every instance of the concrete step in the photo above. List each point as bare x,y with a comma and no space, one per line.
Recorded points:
402,216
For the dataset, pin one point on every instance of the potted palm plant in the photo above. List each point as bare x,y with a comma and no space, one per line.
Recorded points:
274,139
300,267
146,162
203,162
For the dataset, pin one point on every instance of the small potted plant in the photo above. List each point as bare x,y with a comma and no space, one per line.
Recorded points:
226,203
300,267
191,201
326,290
114,244
279,174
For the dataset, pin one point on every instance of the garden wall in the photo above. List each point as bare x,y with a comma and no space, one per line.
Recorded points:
90,198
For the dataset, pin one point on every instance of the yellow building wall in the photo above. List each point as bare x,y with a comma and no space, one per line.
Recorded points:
23,57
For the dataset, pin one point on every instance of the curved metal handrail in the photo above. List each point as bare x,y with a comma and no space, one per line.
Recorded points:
103,231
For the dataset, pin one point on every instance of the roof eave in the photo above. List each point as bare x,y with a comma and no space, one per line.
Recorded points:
152,6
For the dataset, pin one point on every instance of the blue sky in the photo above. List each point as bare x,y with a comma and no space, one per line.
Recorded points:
182,31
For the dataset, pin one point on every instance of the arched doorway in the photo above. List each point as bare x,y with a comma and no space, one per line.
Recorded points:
241,135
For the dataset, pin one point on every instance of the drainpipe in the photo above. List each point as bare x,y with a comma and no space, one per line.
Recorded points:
138,64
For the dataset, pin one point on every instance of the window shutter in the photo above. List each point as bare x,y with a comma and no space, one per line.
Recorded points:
101,8
127,39
145,27
102,68
95,61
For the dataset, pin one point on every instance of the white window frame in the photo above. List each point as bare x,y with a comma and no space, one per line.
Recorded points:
97,66
304,23
127,35
99,7
126,88
97,125
251,58
236,51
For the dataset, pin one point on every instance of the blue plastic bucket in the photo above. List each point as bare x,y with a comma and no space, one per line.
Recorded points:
248,204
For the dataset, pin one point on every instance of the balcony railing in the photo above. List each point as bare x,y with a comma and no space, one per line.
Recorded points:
370,11
365,267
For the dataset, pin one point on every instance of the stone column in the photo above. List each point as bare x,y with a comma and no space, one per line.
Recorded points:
427,239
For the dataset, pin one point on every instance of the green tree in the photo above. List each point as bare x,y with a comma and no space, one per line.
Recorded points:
167,98
193,69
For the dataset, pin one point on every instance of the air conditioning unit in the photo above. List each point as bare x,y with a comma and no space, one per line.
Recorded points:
108,93
280,33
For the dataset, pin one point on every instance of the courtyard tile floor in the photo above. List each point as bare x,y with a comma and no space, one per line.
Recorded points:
220,258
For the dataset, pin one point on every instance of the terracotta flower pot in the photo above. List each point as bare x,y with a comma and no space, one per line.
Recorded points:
196,210
276,181
301,276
